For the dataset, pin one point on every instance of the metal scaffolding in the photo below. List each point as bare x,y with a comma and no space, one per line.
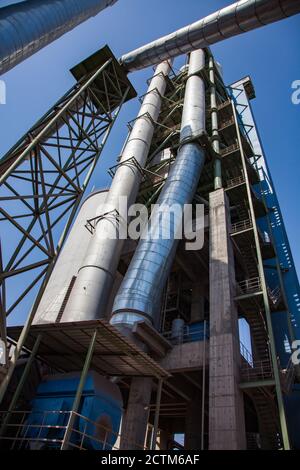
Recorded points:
44,176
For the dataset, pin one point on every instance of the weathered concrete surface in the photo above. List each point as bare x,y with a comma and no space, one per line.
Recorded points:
135,418
192,436
226,408
185,357
198,302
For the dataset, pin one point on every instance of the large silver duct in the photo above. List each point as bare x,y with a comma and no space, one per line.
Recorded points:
29,26
232,20
140,292
95,278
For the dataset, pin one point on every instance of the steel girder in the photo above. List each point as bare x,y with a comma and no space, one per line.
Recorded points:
43,178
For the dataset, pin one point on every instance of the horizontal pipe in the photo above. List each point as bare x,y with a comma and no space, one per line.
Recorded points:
28,26
232,20
139,295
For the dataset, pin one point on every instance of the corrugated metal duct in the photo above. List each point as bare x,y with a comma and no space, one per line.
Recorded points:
95,278
140,293
27,27
232,20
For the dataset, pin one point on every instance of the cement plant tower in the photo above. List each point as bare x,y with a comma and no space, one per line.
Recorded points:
130,344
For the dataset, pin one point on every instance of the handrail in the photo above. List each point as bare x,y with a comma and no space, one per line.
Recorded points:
17,430
241,225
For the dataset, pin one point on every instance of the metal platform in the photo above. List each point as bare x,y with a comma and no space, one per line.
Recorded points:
64,346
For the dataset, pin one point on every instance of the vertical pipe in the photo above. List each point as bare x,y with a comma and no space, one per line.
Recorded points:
282,417
140,293
203,387
215,125
157,412
76,403
30,318
95,278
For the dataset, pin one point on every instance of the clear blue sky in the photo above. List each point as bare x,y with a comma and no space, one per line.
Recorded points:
270,55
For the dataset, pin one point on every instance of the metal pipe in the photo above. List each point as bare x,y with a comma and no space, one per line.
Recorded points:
140,293
27,27
203,387
75,407
238,18
26,328
157,413
95,278
215,125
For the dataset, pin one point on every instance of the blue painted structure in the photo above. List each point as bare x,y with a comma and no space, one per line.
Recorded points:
101,404
195,332
279,271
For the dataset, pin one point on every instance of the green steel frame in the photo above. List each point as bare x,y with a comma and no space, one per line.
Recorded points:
43,179
282,417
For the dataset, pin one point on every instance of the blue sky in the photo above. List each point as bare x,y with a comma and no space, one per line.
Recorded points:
270,55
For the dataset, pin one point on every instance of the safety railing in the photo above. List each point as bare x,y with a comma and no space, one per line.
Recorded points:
274,295
258,371
253,441
230,149
246,354
226,123
188,335
249,286
46,430
231,183
241,225
288,376
252,370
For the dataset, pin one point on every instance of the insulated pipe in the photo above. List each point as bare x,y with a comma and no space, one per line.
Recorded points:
28,26
95,278
215,125
140,293
232,20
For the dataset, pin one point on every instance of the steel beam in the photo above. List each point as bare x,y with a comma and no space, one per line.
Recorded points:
282,416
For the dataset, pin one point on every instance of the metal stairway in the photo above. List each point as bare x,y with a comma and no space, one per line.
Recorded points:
268,418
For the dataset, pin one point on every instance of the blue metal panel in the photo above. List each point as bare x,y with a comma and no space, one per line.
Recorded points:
290,282
101,401
292,405
195,332
279,235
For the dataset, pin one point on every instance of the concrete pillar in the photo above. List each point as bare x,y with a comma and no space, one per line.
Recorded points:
198,303
193,423
226,407
135,419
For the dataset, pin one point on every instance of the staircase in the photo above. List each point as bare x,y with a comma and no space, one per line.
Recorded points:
264,403
259,335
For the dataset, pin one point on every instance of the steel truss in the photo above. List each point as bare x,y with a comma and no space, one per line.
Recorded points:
43,177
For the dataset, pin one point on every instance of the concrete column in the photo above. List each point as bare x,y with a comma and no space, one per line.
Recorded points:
198,303
192,438
135,419
226,407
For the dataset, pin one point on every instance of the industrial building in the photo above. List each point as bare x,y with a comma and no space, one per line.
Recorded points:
132,343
